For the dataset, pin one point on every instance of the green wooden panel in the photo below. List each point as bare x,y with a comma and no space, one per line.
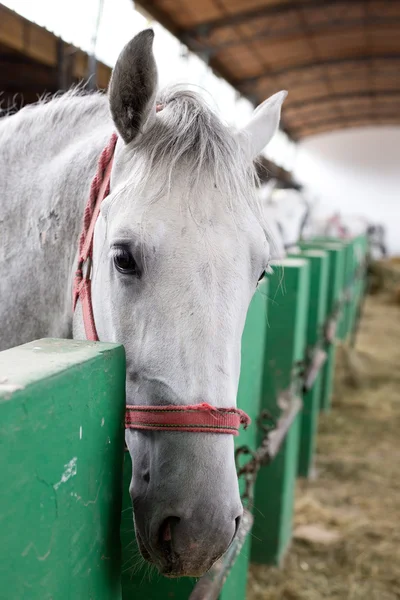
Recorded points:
358,256
309,427
142,583
347,246
355,285
62,405
286,343
274,499
347,281
319,265
335,288
360,251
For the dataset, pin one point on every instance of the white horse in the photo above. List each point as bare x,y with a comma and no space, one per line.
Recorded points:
334,224
277,244
178,249
286,212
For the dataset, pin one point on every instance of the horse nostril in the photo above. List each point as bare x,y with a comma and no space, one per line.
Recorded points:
165,531
238,520
146,477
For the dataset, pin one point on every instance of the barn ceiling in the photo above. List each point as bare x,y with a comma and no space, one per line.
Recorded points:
33,62
339,59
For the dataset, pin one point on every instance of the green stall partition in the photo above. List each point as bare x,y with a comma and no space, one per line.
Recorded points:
138,580
351,295
359,280
347,246
319,270
62,406
347,290
286,345
334,296
355,250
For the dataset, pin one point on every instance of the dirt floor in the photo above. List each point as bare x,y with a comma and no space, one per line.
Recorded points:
347,519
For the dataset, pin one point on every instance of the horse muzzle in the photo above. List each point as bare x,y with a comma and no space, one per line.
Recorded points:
187,547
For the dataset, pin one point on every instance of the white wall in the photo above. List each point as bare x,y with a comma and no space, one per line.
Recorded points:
355,171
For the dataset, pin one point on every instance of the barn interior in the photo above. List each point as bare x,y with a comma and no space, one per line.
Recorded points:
337,153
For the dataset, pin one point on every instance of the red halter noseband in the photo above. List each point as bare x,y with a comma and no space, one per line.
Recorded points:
196,417
203,417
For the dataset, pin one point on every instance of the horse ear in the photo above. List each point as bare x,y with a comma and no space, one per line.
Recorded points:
133,87
263,125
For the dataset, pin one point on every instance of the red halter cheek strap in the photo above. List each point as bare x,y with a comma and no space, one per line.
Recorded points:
99,189
196,418
203,417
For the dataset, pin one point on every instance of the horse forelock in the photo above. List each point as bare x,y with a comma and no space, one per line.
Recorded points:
188,135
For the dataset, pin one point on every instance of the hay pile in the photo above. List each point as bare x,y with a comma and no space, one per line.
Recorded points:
347,520
384,275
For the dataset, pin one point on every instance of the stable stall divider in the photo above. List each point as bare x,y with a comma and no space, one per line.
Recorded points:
342,312
315,355
354,279
333,311
62,406
344,323
286,345
359,283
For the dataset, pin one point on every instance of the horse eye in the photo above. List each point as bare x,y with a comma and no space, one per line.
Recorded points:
125,263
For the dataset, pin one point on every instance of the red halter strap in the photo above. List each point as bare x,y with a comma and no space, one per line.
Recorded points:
99,189
196,418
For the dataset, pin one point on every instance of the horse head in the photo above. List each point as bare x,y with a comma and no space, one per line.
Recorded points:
179,247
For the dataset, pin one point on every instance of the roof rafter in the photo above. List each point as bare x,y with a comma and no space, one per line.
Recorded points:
281,44
266,11
290,31
328,62
336,126
372,94
368,116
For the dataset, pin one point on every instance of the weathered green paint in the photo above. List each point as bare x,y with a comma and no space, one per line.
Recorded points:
335,288
319,267
286,344
138,581
62,406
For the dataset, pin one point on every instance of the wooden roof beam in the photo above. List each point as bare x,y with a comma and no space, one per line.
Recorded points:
316,101
242,18
369,116
292,32
329,62
339,126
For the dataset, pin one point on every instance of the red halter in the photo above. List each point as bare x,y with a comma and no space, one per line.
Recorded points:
99,189
196,418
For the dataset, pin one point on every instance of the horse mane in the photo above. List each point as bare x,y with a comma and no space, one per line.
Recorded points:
186,132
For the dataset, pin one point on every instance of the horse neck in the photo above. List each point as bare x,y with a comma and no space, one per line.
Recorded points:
50,157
